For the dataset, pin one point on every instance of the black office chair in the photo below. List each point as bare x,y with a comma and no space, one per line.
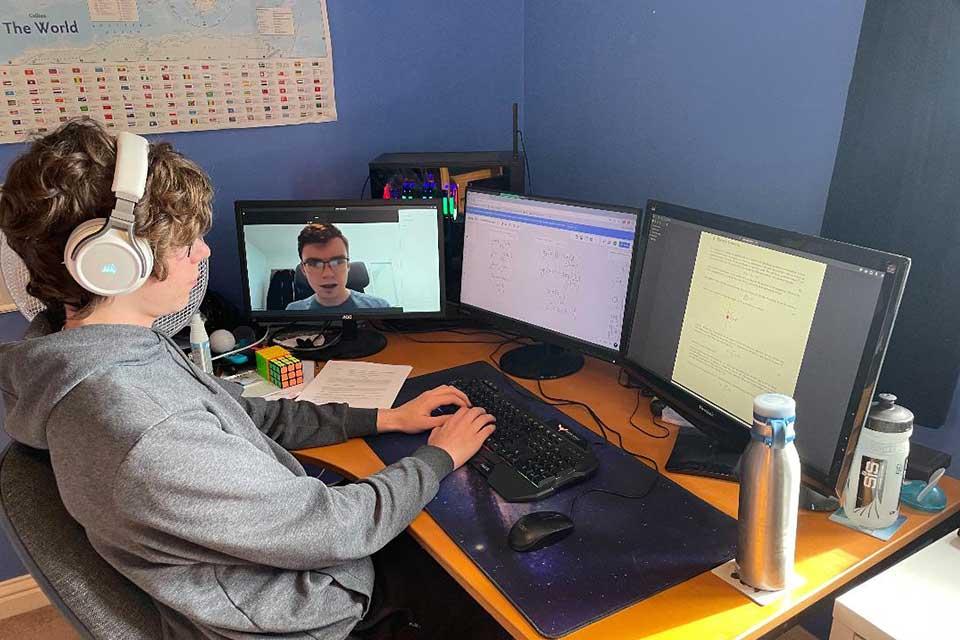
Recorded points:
358,279
100,603
287,285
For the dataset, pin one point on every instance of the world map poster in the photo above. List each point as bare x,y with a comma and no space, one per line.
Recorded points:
150,66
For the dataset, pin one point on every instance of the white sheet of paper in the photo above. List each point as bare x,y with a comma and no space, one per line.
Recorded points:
362,385
280,394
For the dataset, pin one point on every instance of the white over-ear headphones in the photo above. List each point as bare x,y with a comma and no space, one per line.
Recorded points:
104,254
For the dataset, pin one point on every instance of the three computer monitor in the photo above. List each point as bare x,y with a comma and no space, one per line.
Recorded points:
722,310
312,262
556,270
708,311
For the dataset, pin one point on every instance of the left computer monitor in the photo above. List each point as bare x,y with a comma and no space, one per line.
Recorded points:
311,262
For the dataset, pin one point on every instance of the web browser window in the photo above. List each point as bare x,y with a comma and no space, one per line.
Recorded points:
558,266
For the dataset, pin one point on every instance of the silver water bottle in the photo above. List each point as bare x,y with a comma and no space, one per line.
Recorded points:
769,495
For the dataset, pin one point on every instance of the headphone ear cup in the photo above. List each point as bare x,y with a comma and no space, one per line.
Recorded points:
107,265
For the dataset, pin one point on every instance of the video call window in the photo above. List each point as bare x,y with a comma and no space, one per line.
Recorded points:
317,261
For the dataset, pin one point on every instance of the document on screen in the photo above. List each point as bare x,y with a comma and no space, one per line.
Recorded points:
746,324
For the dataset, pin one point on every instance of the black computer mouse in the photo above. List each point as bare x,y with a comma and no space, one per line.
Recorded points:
538,530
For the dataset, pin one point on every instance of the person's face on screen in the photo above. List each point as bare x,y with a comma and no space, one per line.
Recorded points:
326,266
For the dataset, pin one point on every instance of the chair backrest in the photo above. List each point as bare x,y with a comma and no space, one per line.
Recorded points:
358,278
98,601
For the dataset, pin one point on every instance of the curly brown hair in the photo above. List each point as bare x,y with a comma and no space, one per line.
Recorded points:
65,178
319,233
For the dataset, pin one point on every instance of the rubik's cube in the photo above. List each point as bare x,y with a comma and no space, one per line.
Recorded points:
276,365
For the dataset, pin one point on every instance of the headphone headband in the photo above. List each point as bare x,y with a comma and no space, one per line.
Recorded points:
130,174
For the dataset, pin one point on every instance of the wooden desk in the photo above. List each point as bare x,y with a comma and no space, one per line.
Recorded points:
828,555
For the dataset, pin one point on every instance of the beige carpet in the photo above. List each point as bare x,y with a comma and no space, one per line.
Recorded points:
42,624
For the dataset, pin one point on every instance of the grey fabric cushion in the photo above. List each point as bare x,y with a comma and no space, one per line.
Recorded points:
94,597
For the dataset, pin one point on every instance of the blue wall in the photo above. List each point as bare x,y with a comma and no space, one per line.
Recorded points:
730,107
733,107
409,76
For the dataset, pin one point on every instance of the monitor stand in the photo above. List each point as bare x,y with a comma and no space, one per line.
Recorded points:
541,361
698,454
354,342
813,500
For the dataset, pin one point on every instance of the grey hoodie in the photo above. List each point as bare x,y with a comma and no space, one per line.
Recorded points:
189,491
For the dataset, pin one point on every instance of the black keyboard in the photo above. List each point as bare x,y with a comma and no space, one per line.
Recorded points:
526,458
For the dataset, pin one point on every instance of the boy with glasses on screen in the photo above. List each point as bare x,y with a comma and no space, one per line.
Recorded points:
325,258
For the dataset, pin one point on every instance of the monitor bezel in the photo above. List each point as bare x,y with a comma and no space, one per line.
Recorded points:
269,317
718,424
513,325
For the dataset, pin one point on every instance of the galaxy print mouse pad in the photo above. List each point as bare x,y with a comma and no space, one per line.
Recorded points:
620,552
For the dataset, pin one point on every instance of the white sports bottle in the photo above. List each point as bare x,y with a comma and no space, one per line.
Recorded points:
871,498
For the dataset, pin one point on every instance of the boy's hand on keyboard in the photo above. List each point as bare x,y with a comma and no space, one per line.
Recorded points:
463,434
416,416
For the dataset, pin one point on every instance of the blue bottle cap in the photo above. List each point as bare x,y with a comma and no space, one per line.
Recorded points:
774,415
